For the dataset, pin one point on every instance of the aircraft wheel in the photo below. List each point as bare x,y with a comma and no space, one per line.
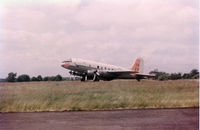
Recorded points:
83,79
138,79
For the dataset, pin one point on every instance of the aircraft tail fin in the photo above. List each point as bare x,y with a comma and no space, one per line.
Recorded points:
138,65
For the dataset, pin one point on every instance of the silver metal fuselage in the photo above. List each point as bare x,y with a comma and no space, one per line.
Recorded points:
82,67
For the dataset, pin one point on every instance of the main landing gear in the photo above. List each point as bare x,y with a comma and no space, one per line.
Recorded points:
95,78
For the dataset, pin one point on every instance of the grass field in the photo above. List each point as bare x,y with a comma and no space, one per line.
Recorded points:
119,94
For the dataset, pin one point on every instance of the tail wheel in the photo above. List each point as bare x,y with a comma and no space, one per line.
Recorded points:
138,79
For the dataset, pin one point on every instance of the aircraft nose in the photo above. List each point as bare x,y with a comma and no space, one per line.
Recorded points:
63,64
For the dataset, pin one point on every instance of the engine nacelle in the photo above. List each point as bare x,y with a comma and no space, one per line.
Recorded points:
91,72
75,73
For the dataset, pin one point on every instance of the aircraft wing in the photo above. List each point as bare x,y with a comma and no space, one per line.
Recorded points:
120,73
145,75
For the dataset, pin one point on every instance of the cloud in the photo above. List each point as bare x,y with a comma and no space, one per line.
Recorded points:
35,38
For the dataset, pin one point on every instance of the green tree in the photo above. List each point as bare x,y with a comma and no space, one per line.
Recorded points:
175,76
159,75
186,76
58,78
34,79
46,78
39,78
163,77
194,73
23,78
52,78
11,77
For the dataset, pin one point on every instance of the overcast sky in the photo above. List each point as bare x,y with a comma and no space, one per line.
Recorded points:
35,37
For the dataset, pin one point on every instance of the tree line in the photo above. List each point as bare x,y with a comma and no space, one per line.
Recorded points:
159,75
12,77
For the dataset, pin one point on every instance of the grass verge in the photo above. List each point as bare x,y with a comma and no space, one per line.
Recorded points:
119,94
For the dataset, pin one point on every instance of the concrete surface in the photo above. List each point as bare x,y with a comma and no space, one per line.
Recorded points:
185,118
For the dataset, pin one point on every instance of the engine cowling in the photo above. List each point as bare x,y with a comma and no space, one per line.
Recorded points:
94,74
75,73
91,72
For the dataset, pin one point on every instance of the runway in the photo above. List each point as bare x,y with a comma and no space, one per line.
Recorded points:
185,118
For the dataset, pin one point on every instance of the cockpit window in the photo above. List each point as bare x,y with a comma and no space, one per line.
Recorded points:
68,60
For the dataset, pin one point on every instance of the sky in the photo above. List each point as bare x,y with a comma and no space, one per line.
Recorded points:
37,35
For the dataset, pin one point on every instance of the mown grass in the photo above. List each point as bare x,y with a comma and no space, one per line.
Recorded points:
119,94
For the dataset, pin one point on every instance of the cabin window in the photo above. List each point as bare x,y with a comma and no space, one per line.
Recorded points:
97,67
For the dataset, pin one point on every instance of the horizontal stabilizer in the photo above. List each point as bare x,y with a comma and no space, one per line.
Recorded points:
146,75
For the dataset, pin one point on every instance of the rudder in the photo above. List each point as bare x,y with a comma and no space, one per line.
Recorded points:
138,65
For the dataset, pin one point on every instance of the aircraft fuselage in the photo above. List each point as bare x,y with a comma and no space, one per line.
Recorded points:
98,71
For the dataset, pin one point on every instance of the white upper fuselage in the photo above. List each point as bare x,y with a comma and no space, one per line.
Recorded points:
100,71
76,64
